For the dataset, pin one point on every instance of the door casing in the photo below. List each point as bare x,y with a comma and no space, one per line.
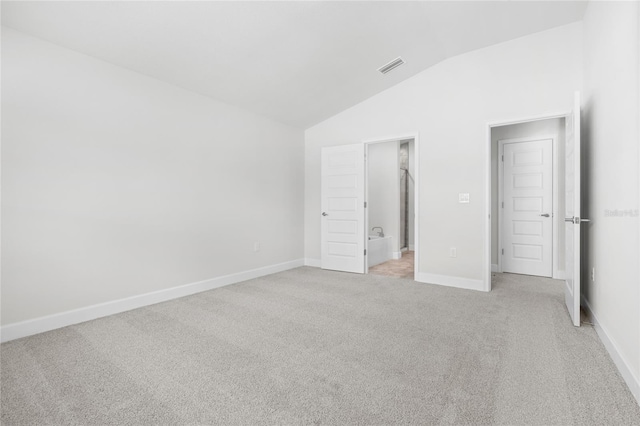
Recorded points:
415,137
416,189
487,176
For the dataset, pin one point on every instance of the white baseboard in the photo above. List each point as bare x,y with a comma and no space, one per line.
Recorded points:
449,281
63,319
624,367
316,263
396,255
494,267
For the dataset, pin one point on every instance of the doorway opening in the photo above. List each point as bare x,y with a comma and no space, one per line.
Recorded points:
527,202
391,205
567,174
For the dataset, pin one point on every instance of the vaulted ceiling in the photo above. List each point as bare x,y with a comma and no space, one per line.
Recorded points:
298,62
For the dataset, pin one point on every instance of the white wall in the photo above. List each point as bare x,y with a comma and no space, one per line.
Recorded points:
533,129
611,173
383,189
449,106
115,184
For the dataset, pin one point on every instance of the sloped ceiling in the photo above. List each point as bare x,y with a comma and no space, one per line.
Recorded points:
295,62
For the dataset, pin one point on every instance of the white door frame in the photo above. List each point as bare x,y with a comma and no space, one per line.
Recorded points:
487,184
416,193
555,231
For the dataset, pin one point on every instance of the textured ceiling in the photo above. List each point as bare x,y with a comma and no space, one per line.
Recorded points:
296,62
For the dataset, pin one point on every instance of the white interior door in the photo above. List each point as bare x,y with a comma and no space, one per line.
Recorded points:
527,231
572,213
342,204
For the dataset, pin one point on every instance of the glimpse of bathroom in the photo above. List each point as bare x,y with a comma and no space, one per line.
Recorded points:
390,206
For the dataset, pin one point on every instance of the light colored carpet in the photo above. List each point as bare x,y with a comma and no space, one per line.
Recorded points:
308,346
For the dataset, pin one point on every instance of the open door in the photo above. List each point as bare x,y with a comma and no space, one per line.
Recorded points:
342,204
572,213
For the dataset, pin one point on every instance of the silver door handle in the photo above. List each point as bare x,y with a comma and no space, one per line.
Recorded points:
576,220
545,215
324,214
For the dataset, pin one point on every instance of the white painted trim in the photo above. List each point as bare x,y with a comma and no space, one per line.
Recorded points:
396,240
88,313
411,246
316,263
637,124
500,229
556,204
416,206
494,268
623,365
366,209
449,281
396,255
487,202
507,122
401,137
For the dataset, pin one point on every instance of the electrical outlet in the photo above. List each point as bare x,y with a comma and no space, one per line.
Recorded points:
593,274
453,252
256,246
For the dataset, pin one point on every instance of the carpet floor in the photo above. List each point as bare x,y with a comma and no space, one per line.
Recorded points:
308,346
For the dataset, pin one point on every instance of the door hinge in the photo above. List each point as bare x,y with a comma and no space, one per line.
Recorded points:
365,204
503,251
503,204
365,252
503,158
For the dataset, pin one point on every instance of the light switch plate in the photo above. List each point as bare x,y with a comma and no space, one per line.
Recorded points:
463,197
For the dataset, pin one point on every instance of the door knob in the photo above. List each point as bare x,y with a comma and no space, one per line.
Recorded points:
324,214
545,215
576,220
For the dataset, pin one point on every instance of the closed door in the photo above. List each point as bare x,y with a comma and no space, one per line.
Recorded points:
342,205
527,226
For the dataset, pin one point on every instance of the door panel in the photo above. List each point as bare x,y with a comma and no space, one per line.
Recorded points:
527,235
342,203
572,213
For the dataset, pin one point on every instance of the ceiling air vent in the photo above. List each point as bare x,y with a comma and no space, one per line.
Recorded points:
391,65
